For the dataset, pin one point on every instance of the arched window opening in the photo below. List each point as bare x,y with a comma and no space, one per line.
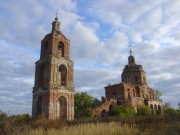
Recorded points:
111,108
41,75
103,113
152,109
119,103
146,102
63,72
159,109
136,78
61,49
138,91
114,95
129,96
156,108
127,79
39,106
62,109
46,46
132,60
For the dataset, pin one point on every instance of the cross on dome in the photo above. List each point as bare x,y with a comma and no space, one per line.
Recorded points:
130,52
56,15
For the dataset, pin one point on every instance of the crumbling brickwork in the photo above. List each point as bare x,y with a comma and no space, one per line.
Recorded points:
53,91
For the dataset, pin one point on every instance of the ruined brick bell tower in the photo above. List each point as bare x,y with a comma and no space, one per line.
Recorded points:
53,91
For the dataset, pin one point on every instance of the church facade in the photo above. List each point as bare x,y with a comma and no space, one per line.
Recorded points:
133,89
53,91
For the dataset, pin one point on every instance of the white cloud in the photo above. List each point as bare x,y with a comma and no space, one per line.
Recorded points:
100,35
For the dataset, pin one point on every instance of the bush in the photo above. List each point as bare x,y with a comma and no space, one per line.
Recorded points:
171,112
21,119
122,111
3,117
143,110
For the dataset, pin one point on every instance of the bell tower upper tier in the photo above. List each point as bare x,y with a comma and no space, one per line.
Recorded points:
55,43
54,68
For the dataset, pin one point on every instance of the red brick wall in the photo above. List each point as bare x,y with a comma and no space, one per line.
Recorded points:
48,83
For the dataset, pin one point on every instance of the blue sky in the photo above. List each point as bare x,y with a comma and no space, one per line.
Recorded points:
100,32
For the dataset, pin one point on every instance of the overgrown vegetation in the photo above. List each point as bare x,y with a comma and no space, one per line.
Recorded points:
143,111
84,104
124,112
124,124
120,120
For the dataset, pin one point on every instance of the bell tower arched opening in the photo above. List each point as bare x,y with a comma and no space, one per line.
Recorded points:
61,49
39,106
41,75
62,108
63,75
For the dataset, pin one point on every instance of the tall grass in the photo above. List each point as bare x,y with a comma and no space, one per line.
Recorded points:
140,125
110,128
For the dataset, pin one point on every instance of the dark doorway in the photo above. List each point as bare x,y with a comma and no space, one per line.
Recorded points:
39,106
62,108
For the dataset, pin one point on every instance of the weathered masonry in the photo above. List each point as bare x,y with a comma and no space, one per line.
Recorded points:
133,90
53,91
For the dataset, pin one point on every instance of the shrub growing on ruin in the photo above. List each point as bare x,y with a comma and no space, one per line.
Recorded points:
124,111
143,110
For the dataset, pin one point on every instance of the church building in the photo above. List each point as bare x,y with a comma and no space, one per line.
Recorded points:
133,89
53,91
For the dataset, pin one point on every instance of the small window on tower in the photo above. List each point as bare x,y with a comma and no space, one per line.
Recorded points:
61,49
127,79
41,75
136,78
63,71
60,45
46,46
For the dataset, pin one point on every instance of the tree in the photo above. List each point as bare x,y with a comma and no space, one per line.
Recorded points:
179,105
96,103
2,115
157,95
83,104
21,119
167,105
